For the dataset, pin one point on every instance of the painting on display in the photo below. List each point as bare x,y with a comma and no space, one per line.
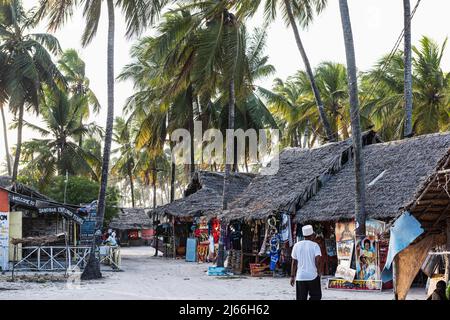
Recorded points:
330,245
375,227
345,272
367,264
345,231
345,250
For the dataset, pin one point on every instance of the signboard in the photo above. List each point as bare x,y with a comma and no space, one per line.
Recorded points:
63,211
88,227
355,285
4,240
22,200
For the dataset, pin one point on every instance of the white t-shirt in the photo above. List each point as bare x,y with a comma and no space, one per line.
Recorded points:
305,252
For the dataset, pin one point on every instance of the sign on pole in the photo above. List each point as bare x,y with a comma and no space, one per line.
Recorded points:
4,241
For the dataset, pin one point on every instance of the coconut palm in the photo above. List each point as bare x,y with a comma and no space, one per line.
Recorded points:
360,187
138,14
3,100
124,165
74,70
27,65
303,12
385,105
57,152
292,102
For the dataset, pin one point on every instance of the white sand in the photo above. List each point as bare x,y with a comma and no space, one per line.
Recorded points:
147,277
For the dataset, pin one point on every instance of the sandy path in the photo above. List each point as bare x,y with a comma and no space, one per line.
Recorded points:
147,277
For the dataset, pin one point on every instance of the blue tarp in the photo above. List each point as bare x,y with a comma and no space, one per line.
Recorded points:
405,230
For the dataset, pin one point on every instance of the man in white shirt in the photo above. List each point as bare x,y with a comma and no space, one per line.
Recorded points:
305,259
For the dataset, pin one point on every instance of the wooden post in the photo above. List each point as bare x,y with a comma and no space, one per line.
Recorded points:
394,276
14,262
447,257
74,234
174,242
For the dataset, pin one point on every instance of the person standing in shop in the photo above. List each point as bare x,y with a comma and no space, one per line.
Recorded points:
305,261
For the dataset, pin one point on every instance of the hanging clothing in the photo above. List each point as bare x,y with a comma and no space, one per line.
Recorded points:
274,251
284,230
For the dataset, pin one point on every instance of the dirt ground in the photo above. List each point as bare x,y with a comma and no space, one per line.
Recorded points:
148,277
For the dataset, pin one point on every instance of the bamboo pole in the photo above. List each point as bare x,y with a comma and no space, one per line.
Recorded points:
447,256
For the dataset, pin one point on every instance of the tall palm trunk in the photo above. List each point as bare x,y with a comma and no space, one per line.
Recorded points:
231,121
5,138
408,69
154,187
130,176
173,172
331,136
92,270
360,193
190,99
19,143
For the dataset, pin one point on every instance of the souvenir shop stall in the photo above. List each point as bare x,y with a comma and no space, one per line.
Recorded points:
194,231
360,260
260,247
203,241
195,239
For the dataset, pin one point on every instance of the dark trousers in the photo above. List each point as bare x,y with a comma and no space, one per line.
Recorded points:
312,288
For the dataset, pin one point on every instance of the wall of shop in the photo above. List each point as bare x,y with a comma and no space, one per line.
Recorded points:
36,226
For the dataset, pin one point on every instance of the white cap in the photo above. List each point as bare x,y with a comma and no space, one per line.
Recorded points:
307,230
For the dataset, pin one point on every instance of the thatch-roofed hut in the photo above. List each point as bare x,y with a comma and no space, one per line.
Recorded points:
406,175
300,175
5,181
203,195
396,172
133,225
202,198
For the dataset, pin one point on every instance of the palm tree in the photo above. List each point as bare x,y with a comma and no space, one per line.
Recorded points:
57,151
293,11
138,15
27,64
385,105
408,70
292,102
125,164
360,212
74,70
3,100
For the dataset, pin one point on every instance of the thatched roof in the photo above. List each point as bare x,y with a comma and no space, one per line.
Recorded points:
300,174
131,219
395,172
5,181
204,193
